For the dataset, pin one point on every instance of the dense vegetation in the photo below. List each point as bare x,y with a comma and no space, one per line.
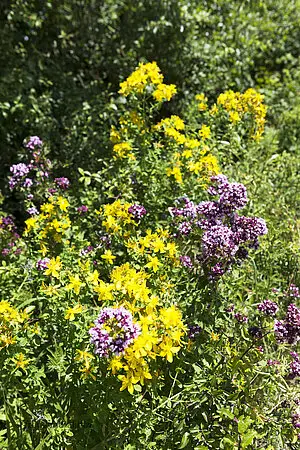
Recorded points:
149,234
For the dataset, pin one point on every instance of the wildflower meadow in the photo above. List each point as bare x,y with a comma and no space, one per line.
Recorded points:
149,225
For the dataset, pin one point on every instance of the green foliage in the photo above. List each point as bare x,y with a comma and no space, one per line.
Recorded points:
227,386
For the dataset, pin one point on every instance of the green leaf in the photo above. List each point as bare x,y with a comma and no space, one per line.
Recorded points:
184,440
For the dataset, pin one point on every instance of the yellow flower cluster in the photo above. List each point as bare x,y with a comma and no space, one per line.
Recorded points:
116,215
10,318
121,136
51,224
237,105
147,75
161,327
202,99
193,154
153,245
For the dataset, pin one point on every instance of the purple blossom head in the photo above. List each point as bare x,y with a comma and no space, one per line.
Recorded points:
34,142
42,264
273,362
113,332
19,170
288,331
217,271
32,211
27,183
62,182
5,252
296,420
268,307
248,228
193,331
137,211
185,228
186,261
293,291
239,317
219,241
294,365
82,209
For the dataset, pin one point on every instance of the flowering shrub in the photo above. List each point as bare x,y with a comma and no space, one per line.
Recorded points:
120,308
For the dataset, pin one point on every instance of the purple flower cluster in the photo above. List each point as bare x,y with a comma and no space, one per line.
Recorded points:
288,330
268,307
114,330
34,142
186,262
27,175
82,210
295,365
226,237
293,291
32,211
239,317
9,236
42,264
62,182
273,362
19,171
137,211
193,331
296,420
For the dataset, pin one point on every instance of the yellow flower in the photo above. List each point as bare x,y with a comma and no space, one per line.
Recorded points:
54,265
170,316
93,278
71,312
104,290
204,132
83,356
63,203
20,361
168,350
153,264
214,336
31,223
108,256
74,284
164,92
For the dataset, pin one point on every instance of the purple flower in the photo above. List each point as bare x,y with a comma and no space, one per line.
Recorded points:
268,307
85,251
186,261
296,420
185,228
240,317
82,209
248,228
217,271
273,362
114,330
27,183
288,331
19,170
138,211
62,183
32,211
219,241
294,365
193,331
293,291
42,264
33,142
5,252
